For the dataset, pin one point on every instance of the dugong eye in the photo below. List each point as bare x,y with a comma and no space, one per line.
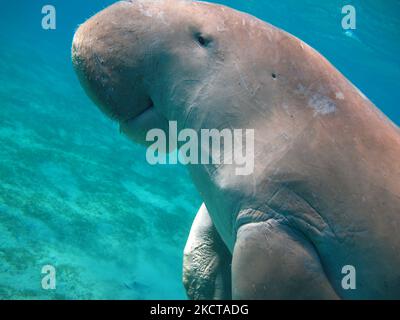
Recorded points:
202,40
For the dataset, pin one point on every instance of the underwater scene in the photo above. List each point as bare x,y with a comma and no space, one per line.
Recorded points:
76,194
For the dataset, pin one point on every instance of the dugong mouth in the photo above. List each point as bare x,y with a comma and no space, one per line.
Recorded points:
148,108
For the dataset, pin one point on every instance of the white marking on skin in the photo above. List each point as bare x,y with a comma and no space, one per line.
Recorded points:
147,13
285,136
339,95
161,16
222,27
301,89
286,108
321,104
242,78
142,9
318,101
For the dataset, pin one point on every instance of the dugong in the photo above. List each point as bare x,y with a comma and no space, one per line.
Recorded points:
319,216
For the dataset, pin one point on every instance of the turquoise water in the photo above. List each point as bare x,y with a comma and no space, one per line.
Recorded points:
76,194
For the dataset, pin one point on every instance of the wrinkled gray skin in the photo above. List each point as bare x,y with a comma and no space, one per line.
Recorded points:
325,191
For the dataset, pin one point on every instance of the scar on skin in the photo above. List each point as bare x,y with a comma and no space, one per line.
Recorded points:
321,104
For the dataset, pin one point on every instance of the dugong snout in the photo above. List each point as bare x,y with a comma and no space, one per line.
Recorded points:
108,54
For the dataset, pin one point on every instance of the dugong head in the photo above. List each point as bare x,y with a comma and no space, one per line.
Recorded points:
147,62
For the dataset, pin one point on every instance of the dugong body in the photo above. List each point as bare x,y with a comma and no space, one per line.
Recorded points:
325,191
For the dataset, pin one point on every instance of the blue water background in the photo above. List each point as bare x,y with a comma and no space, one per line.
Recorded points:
76,194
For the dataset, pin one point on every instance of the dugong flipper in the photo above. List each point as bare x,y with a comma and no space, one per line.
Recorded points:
206,261
259,266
